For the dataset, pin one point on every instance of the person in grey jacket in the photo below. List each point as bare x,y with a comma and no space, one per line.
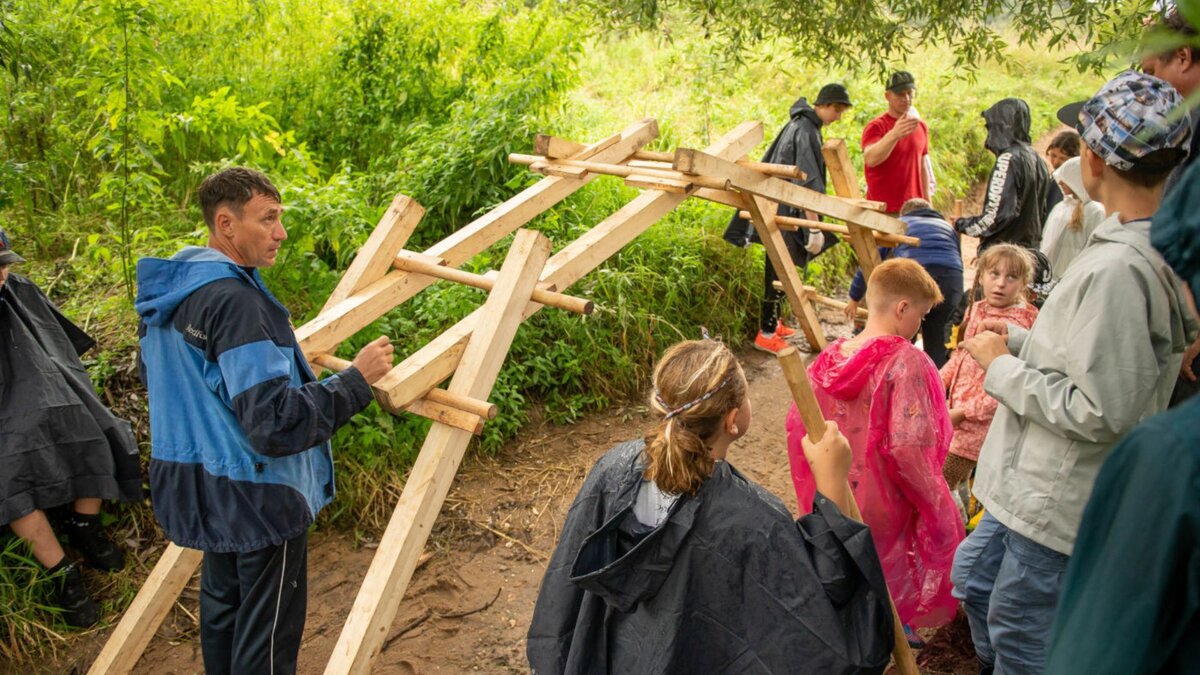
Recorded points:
1078,381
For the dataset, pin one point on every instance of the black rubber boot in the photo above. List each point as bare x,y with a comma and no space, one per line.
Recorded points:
71,597
85,534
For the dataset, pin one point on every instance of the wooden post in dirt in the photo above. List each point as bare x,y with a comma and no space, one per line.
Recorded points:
814,425
147,611
429,481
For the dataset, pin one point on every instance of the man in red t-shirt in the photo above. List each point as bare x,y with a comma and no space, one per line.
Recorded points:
896,148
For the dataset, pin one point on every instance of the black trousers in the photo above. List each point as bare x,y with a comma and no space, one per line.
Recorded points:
252,608
795,242
934,327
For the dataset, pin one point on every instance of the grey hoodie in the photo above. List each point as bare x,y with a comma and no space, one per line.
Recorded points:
1103,355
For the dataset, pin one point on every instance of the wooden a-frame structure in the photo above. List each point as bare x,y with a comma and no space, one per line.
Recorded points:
470,353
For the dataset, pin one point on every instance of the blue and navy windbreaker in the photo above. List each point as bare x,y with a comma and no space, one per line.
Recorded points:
240,427
939,247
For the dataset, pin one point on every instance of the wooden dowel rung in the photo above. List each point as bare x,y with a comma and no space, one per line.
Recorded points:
416,263
439,405
881,238
484,409
446,414
810,293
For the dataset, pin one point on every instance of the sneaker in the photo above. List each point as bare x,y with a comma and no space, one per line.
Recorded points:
783,331
772,344
86,535
914,640
70,596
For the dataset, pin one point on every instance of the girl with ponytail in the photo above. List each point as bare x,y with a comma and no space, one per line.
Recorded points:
670,560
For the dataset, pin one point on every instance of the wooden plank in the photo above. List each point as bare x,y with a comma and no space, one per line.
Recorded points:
374,259
881,239
429,481
434,362
762,216
814,424
662,160
353,314
775,189
147,611
559,148
543,164
841,171
645,182
864,248
554,169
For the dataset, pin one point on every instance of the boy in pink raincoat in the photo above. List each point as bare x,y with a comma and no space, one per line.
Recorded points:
887,398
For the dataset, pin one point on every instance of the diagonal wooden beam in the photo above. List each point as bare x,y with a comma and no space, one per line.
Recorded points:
434,362
147,611
762,216
747,181
841,171
429,481
351,315
375,257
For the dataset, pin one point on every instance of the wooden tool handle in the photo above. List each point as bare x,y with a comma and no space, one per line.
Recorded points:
814,423
802,393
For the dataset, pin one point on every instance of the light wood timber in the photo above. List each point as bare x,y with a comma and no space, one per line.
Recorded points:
881,239
438,405
662,160
841,171
436,360
147,611
429,481
542,165
864,248
553,147
744,180
811,294
374,259
762,216
814,424
559,148
559,170
417,263
331,327
644,182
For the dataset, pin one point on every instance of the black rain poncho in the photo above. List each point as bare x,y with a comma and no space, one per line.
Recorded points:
58,443
798,144
729,583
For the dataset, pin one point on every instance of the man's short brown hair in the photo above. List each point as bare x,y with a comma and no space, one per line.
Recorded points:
234,187
901,279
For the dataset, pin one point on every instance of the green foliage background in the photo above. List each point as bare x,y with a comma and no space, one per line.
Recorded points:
114,110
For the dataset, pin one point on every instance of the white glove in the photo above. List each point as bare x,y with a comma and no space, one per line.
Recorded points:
816,239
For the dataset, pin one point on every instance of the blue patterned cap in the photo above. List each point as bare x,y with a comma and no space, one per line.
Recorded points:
7,257
1129,120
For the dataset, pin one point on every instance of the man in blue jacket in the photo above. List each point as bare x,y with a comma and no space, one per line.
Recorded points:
240,458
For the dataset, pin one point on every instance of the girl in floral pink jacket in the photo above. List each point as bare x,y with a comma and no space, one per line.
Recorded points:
1002,272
